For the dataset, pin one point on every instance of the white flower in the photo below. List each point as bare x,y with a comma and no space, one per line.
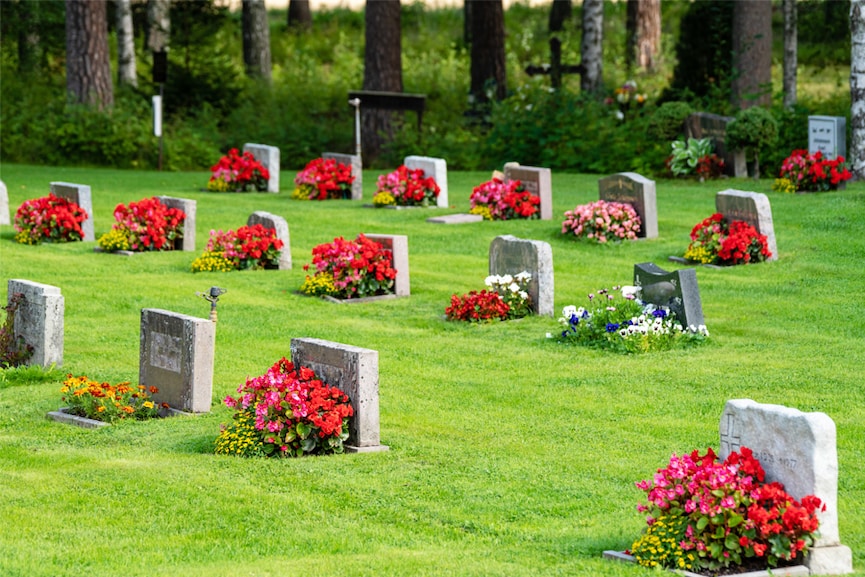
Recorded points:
523,295
631,291
491,280
506,279
514,287
523,277
569,311
620,115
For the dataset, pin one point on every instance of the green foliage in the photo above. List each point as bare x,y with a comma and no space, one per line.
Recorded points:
668,120
752,128
686,155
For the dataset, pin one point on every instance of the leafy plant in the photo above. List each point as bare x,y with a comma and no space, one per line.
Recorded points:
144,225
354,268
51,219
687,154
248,247
14,351
602,221
668,120
106,402
407,187
715,240
752,129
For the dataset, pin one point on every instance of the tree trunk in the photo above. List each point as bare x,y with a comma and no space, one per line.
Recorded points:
29,48
790,52
158,24
591,48
856,158
382,71
126,72
256,40
752,53
488,51
560,12
88,70
643,36
467,22
299,14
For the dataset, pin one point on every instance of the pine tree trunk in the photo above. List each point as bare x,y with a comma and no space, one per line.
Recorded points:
88,70
382,71
591,49
643,36
299,14
158,24
560,12
790,52
856,154
126,69
488,78
256,40
752,53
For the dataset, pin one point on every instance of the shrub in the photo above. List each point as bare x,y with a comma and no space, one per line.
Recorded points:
668,120
752,129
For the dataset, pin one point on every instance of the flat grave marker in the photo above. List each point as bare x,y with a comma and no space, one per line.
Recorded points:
751,207
268,156
279,224
80,195
676,290
636,190
512,255
354,162
436,168
39,320
461,218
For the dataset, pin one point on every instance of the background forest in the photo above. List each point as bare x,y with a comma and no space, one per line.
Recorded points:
212,105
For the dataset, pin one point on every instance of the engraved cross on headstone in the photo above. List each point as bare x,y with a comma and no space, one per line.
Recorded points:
731,440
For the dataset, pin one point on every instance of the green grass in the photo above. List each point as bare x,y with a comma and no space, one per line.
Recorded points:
510,454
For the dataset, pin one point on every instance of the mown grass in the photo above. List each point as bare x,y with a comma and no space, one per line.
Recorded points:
510,454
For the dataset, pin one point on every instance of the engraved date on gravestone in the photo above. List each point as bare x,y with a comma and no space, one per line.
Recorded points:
165,352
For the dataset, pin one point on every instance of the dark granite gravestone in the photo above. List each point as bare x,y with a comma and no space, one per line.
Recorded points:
676,290
714,127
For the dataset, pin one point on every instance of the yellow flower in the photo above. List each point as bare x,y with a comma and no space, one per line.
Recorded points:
148,405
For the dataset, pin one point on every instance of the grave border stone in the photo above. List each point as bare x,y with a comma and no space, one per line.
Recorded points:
189,354
267,156
398,245
730,203
517,171
358,377
432,167
459,218
280,225
541,288
689,311
4,204
621,187
80,194
354,162
39,320
187,243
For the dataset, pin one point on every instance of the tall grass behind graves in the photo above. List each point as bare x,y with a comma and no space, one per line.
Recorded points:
510,454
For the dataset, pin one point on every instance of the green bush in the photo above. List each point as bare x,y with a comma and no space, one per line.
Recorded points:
752,129
668,120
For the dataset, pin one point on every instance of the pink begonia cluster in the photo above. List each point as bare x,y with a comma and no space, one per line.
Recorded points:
224,242
602,221
268,392
492,194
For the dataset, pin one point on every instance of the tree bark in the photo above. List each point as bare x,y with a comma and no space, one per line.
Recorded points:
126,68
467,22
752,54
643,36
256,40
488,51
382,71
158,24
591,48
856,159
299,14
790,52
560,12
88,70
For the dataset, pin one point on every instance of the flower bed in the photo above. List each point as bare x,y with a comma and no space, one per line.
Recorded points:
350,269
236,172
406,187
802,171
504,298
287,412
715,240
50,219
108,403
248,247
709,515
143,226
498,200
323,179
602,221
618,320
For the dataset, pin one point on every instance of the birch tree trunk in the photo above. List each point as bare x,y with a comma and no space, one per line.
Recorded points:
856,158
256,40
126,69
591,49
791,61
88,70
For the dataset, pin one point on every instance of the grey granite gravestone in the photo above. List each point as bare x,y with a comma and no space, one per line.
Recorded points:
538,181
354,371
176,356
676,290
398,245
512,255
277,223
268,157
714,127
354,162
39,320
827,134
636,190
751,207
799,450
187,243
80,195
4,204
436,168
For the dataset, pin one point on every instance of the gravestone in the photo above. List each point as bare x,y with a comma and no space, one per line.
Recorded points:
455,218
675,290
354,162
827,134
279,224
187,243
398,245
753,208
714,127
80,195
4,204
39,320
799,450
512,255
636,190
176,356
354,371
436,168
268,156
538,181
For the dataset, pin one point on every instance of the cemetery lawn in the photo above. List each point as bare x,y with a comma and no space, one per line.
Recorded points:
510,454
